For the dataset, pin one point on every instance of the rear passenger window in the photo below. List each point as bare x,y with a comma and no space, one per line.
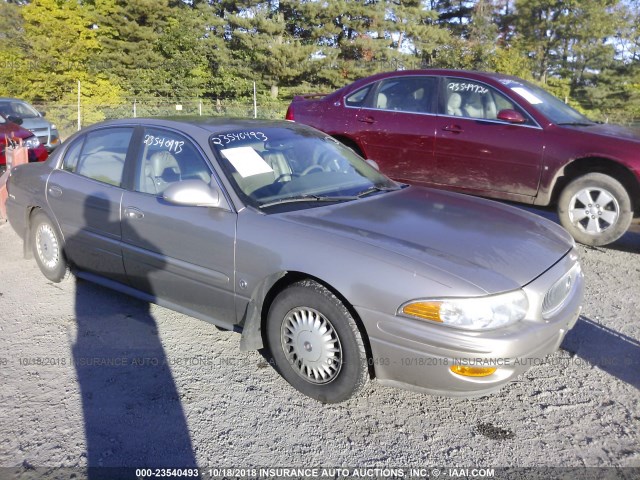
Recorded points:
406,94
357,99
103,154
73,155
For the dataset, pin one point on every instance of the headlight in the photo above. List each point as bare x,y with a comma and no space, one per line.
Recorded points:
558,294
53,126
31,142
478,313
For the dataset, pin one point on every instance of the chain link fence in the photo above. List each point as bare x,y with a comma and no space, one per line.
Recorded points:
67,117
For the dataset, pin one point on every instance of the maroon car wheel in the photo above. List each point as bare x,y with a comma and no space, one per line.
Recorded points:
595,209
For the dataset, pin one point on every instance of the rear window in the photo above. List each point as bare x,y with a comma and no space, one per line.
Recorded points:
357,98
102,155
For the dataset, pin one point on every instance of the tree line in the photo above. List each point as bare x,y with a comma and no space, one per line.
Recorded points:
587,52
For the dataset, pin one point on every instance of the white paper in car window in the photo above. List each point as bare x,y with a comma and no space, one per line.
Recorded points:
246,161
528,96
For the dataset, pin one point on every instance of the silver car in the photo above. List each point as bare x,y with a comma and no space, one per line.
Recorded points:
279,232
22,113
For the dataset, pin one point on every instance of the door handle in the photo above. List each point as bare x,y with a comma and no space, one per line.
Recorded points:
367,119
54,191
453,129
133,213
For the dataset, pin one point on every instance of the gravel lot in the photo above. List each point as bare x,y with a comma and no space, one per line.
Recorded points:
183,394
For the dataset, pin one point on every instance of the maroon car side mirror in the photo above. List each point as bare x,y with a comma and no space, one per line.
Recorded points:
511,116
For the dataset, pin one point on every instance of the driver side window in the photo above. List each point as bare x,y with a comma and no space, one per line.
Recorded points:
168,157
471,99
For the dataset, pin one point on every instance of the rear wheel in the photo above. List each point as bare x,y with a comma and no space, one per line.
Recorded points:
316,344
47,248
595,209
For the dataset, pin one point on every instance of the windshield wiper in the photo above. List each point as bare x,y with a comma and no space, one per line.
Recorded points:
308,198
577,124
374,189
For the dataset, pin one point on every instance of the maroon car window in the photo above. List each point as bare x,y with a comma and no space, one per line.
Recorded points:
406,94
357,98
467,98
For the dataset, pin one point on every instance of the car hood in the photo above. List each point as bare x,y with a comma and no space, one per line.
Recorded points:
35,123
13,129
492,246
607,130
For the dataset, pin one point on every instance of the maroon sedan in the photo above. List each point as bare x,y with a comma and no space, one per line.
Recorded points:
10,129
487,134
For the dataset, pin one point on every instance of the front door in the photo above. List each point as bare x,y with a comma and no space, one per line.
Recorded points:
476,151
178,254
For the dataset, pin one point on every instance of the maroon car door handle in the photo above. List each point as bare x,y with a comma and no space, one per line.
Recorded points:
367,119
453,129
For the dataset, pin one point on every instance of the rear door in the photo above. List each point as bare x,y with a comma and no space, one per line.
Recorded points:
85,196
180,254
476,151
397,129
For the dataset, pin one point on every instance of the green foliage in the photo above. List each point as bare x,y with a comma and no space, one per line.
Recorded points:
586,52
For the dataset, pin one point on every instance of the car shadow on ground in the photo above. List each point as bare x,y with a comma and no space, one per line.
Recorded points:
132,410
602,347
133,415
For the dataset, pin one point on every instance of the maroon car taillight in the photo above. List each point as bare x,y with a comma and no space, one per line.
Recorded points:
289,115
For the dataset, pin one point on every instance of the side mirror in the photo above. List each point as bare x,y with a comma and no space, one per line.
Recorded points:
194,193
43,114
14,119
373,163
511,116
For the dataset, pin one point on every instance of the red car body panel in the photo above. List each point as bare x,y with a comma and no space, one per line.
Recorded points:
521,162
10,129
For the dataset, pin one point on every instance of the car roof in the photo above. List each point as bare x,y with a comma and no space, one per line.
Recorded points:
440,72
11,99
208,124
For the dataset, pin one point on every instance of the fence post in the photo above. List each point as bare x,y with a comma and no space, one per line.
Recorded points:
79,111
255,102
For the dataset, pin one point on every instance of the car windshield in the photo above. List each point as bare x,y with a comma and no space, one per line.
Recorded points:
17,109
552,107
290,165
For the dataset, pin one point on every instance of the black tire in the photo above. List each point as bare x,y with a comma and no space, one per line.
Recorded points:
48,250
346,369
595,209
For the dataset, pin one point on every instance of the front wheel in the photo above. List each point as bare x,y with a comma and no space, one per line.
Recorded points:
47,248
315,343
595,209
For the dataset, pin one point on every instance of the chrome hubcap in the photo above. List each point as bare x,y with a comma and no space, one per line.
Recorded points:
311,345
593,210
47,246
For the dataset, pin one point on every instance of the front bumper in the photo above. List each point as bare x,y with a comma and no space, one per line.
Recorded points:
417,355
49,138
